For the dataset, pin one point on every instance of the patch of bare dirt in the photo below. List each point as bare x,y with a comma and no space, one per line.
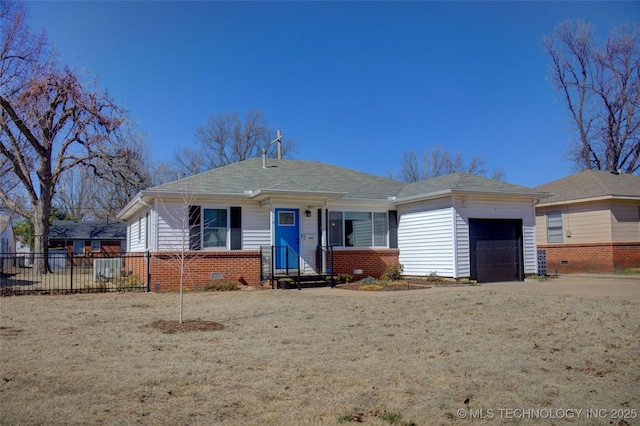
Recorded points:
174,326
381,287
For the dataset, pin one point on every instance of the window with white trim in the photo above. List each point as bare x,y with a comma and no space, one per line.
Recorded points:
214,228
358,229
554,227
95,246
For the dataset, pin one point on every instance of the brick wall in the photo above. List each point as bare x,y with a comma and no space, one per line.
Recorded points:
591,258
372,262
164,266
199,266
626,256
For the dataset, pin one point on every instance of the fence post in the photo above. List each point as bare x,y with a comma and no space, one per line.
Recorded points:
71,270
148,271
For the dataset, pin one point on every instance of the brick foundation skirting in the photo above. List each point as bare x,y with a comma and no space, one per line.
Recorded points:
203,267
372,262
591,258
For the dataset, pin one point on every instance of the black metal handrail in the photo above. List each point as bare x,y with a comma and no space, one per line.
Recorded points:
324,262
268,267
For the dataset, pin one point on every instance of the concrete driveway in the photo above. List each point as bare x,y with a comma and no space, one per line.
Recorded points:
588,285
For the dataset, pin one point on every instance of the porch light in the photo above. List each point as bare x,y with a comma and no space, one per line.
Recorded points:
307,213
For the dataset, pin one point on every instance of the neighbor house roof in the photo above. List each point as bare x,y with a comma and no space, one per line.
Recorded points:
315,180
86,230
590,184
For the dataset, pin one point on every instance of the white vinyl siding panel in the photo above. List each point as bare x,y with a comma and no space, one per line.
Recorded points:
256,230
137,233
462,247
425,239
173,227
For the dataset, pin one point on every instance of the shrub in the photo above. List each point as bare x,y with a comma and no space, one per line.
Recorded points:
344,278
370,287
393,273
221,286
434,277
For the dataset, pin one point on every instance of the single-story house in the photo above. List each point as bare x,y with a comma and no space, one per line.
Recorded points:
7,239
311,217
88,239
7,243
591,223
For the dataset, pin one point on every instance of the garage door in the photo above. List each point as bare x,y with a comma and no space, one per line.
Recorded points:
495,249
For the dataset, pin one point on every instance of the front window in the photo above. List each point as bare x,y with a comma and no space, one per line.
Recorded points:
554,227
95,246
214,228
358,229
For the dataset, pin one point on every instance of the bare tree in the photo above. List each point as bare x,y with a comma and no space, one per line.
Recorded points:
180,216
600,86
437,161
50,121
123,169
227,139
76,194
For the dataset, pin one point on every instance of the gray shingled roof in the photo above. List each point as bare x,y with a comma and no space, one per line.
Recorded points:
591,184
72,230
285,175
463,182
308,178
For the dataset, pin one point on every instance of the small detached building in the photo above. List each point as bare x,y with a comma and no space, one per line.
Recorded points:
591,223
306,217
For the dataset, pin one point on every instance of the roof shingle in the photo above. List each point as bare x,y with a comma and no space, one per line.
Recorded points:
591,184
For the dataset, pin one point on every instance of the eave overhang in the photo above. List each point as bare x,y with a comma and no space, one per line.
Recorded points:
590,200
451,192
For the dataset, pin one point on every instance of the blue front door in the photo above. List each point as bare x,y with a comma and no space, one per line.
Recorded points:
287,234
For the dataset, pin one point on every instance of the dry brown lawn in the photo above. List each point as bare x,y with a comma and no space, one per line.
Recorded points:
322,356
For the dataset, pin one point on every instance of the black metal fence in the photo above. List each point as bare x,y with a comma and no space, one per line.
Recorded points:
69,273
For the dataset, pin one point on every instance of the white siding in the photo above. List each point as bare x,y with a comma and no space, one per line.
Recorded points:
425,238
478,208
462,247
173,227
137,233
256,229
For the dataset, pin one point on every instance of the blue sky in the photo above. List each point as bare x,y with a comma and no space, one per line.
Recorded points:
355,83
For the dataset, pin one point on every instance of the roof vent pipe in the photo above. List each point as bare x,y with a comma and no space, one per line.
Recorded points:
264,158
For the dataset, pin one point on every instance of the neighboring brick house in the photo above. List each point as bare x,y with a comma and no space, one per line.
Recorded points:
88,239
283,215
591,223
